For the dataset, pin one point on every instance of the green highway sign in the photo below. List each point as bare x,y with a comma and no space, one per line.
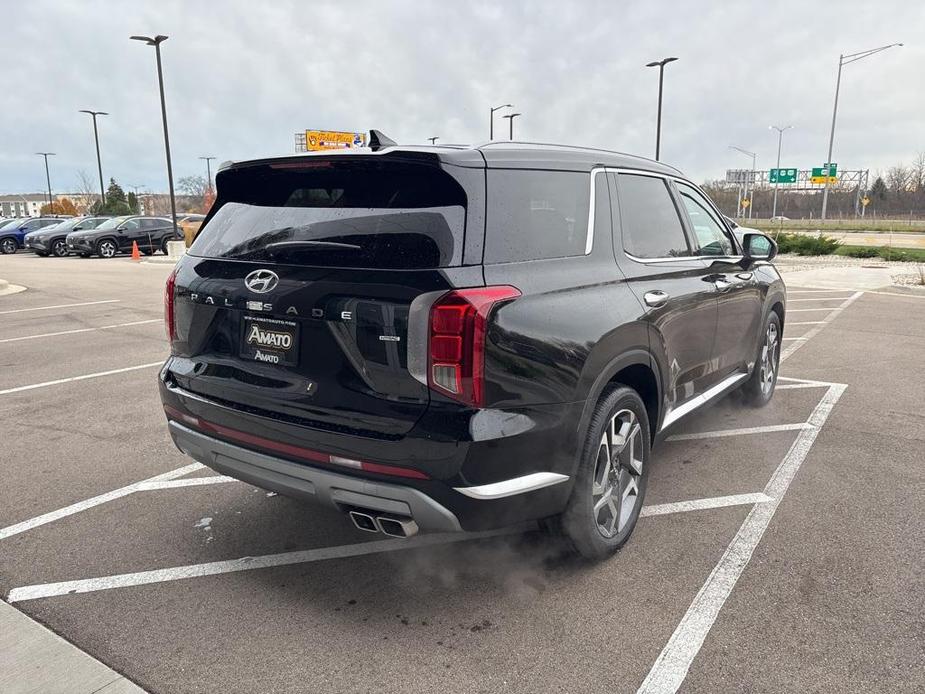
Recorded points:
783,176
824,174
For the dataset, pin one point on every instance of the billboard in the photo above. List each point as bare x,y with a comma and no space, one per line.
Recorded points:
316,140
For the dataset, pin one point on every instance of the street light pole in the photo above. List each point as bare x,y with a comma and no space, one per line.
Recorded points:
99,162
751,175
511,117
491,121
660,64
433,140
48,179
156,42
208,171
780,138
842,61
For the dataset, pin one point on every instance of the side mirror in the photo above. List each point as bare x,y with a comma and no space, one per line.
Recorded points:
758,247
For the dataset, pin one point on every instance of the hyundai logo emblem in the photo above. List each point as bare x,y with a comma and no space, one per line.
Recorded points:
261,281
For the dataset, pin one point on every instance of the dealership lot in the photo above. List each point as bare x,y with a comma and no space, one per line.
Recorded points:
781,549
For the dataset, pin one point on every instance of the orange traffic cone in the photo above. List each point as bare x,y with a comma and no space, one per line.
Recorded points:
136,254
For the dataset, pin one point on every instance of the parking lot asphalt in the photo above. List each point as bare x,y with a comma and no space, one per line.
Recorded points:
781,549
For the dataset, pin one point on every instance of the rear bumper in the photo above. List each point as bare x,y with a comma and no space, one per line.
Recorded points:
500,469
323,486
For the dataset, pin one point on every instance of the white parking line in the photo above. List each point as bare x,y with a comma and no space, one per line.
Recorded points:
794,386
815,331
791,339
84,377
82,330
702,504
672,665
821,298
176,573
191,482
22,527
738,432
804,310
813,291
808,322
48,308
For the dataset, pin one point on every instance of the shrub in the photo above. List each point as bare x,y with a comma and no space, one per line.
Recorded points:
862,252
806,245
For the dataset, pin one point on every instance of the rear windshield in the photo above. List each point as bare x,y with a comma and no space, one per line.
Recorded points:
358,214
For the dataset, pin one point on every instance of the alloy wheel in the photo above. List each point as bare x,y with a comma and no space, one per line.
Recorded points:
769,357
617,473
8,246
107,249
59,249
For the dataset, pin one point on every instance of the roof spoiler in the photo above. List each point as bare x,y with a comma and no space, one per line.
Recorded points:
378,140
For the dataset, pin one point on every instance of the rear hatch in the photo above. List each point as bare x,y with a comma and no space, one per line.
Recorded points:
293,301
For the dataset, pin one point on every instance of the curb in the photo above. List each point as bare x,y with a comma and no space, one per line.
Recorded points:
6,288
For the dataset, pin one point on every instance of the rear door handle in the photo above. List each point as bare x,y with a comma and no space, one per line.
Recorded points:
655,298
744,276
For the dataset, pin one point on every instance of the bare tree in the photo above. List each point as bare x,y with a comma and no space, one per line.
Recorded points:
918,173
898,178
87,191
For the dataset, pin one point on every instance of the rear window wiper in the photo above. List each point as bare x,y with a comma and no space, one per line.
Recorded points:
321,245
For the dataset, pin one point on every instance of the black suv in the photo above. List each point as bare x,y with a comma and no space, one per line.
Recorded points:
52,240
460,338
116,235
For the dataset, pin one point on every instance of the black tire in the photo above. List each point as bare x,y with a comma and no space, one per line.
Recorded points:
84,255
585,528
59,248
147,251
41,254
107,248
164,244
8,246
759,388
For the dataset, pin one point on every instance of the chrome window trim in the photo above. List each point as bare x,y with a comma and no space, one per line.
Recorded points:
666,177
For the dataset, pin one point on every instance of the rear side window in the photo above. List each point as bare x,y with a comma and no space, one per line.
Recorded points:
533,215
357,214
650,221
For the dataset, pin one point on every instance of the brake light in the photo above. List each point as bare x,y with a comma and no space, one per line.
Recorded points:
456,350
170,323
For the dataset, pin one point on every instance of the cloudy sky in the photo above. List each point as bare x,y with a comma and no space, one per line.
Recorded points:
243,76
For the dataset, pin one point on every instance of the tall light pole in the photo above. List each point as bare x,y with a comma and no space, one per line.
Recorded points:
208,171
433,140
156,42
754,165
99,162
47,178
660,64
511,117
491,122
842,61
780,139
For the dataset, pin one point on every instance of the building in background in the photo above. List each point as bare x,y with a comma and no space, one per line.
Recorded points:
22,205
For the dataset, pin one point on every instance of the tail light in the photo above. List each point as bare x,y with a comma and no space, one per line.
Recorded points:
456,349
170,323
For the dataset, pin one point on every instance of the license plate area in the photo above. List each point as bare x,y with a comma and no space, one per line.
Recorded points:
270,340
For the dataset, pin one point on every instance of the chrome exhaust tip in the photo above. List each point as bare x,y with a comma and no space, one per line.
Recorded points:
397,527
363,521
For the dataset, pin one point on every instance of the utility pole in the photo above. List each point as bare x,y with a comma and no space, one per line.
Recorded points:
156,42
780,138
660,64
47,180
842,61
99,162
433,140
491,121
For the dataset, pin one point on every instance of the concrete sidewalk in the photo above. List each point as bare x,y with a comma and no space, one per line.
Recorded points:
34,659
